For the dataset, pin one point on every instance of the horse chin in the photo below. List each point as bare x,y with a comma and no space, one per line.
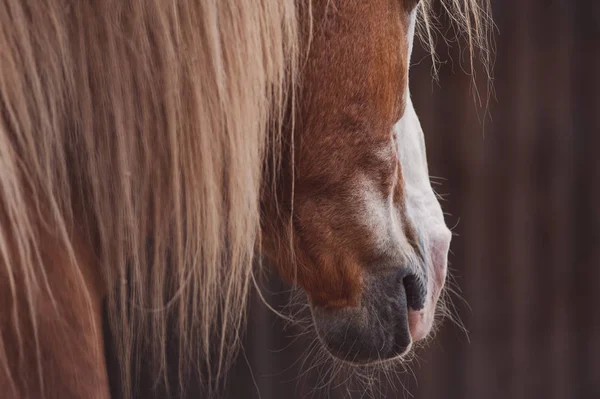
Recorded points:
352,350
383,327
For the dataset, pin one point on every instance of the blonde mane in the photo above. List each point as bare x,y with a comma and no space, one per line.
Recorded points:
141,129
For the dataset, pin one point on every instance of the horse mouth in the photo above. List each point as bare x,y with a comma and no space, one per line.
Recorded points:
382,328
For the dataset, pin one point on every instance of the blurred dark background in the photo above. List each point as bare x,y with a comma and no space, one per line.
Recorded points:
521,188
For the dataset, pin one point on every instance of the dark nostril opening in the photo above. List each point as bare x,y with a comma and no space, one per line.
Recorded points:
415,291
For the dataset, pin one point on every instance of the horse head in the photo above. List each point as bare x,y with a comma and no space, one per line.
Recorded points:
366,237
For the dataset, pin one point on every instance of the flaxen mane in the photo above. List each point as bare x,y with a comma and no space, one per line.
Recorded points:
138,130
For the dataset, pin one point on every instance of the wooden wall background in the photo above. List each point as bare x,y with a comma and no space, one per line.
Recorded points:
524,194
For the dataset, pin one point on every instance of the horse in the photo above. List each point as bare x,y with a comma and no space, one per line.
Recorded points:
151,150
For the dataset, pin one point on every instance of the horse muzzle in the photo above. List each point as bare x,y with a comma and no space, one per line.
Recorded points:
378,329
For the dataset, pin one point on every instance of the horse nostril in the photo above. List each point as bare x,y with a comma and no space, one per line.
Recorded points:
415,291
414,287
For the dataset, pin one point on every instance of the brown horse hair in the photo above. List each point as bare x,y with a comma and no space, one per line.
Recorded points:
133,136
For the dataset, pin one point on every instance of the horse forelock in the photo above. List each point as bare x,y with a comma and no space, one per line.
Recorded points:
143,129
138,133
